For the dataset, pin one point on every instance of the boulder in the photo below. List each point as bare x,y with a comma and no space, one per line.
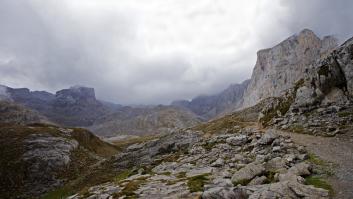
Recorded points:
225,193
268,137
287,189
237,140
246,174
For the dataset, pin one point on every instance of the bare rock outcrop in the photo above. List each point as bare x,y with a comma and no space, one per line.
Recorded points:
278,68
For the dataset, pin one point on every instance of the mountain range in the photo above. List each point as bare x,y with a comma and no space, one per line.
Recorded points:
78,106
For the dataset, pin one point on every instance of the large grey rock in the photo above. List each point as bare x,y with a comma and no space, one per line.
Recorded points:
237,140
225,193
300,169
287,189
244,175
45,156
268,137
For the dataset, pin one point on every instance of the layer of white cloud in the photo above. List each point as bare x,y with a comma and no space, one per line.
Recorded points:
136,51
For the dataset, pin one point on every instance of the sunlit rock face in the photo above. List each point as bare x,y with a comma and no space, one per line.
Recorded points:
279,67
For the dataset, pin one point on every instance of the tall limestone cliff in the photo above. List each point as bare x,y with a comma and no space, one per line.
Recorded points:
279,67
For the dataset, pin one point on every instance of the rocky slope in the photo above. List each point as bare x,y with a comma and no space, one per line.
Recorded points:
214,105
35,159
142,121
278,68
13,113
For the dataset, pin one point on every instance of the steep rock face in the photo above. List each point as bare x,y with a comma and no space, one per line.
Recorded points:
278,68
76,95
76,106
211,106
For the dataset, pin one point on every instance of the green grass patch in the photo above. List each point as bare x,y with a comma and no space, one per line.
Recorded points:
297,129
344,114
209,145
60,193
123,175
196,183
243,182
181,174
319,182
312,158
282,105
129,189
270,175
167,173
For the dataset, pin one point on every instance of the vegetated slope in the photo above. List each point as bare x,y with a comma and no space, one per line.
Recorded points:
147,120
37,158
234,121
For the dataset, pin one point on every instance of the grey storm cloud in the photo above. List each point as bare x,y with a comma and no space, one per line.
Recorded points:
139,52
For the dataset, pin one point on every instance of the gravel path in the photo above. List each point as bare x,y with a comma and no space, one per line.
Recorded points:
338,150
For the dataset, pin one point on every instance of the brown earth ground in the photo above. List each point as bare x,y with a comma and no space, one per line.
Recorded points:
337,150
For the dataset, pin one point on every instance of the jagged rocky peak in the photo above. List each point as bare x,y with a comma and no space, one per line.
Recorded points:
76,94
279,67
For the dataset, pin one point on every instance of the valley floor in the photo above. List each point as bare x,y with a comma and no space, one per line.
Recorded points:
337,150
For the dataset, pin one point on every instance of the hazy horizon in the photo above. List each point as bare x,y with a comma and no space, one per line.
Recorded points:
138,52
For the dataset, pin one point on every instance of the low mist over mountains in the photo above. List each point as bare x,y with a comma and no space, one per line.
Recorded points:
210,106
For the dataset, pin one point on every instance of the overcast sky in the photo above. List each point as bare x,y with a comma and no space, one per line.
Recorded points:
155,51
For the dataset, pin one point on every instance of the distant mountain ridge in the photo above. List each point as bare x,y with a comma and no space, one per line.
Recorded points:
78,106
210,106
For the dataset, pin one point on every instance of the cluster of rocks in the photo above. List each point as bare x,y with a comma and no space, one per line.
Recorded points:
328,120
250,164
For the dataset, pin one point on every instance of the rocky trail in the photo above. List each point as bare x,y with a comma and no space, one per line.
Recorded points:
337,150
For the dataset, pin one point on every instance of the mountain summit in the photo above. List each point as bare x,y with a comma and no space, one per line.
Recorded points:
279,67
